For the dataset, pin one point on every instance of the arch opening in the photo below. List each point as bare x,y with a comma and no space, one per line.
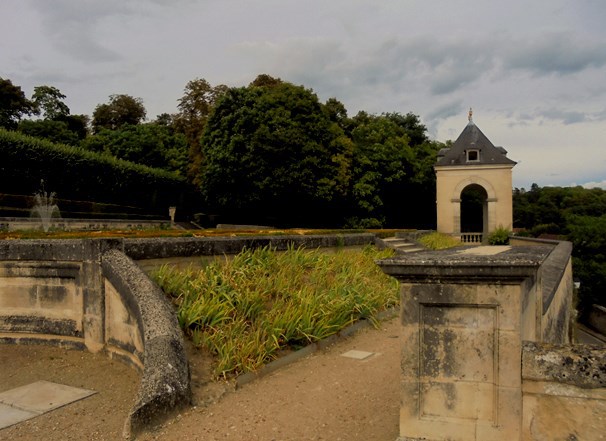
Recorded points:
474,209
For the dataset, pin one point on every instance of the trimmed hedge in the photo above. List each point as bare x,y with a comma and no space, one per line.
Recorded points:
75,173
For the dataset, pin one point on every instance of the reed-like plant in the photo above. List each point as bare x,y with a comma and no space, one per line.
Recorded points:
249,308
439,241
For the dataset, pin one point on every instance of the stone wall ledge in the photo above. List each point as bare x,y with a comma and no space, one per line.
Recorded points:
583,366
148,248
165,381
553,270
506,265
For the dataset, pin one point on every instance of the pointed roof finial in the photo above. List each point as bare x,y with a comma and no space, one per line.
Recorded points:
470,115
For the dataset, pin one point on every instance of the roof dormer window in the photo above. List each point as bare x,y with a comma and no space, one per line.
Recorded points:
473,155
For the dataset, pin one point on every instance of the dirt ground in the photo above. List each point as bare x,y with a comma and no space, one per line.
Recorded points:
99,417
324,396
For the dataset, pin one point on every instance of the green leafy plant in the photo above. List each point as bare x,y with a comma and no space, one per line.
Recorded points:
247,309
500,236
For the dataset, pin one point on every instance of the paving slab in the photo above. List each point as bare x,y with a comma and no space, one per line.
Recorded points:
486,250
11,415
25,402
358,355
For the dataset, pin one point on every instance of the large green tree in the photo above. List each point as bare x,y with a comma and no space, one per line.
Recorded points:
119,111
271,154
13,104
55,131
381,156
194,107
392,176
48,101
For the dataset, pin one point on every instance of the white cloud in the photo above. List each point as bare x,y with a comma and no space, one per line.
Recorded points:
601,184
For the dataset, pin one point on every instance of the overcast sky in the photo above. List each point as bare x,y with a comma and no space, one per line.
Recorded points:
534,71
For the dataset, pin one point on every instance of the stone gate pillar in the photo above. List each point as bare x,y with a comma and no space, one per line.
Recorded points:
464,315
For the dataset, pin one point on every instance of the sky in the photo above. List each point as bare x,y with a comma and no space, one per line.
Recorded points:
534,71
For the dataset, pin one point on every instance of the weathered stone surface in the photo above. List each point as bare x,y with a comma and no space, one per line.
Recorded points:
465,313
165,383
564,392
579,365
510,266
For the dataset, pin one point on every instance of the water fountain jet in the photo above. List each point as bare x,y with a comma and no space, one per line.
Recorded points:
45,207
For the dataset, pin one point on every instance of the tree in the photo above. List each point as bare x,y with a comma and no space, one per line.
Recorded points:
121,110
412,126
336,111
264,80
48,100
194,108
579,215
272,155
55,131
381,158
57,125
13,104
150,144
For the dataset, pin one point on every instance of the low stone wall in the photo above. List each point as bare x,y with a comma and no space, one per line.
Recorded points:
597,319
564,392
556,296
18,223
156,248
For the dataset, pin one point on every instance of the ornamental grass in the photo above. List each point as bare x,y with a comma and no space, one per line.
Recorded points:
439,241
248,309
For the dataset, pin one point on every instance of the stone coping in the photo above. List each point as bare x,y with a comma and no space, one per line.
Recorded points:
582,366
553,270
154,248
165,381
506,264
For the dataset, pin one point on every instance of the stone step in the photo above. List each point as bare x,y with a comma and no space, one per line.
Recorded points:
408,250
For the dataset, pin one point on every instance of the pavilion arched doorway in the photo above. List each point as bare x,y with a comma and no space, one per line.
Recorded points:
474,213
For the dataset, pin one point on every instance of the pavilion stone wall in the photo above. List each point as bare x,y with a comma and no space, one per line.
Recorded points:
469,319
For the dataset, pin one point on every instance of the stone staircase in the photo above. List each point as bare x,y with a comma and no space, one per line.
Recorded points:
401,245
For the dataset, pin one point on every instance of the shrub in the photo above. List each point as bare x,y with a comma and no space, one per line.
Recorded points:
500,236
74,173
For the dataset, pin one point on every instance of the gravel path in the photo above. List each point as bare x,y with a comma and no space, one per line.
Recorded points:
324,396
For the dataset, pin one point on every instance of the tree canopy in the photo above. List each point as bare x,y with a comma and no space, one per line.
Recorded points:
194,108
272,153
149,144
48,101
13,104
270,150
576,214
119,111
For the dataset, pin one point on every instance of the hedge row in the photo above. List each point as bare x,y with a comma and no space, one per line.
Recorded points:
74,173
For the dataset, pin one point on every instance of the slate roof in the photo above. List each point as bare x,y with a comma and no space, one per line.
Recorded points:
472,138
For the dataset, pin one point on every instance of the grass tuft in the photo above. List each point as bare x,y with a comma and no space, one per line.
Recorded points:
249,308
439,241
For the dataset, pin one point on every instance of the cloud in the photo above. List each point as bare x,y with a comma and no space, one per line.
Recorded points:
79,27
601,184
445,111
560,53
